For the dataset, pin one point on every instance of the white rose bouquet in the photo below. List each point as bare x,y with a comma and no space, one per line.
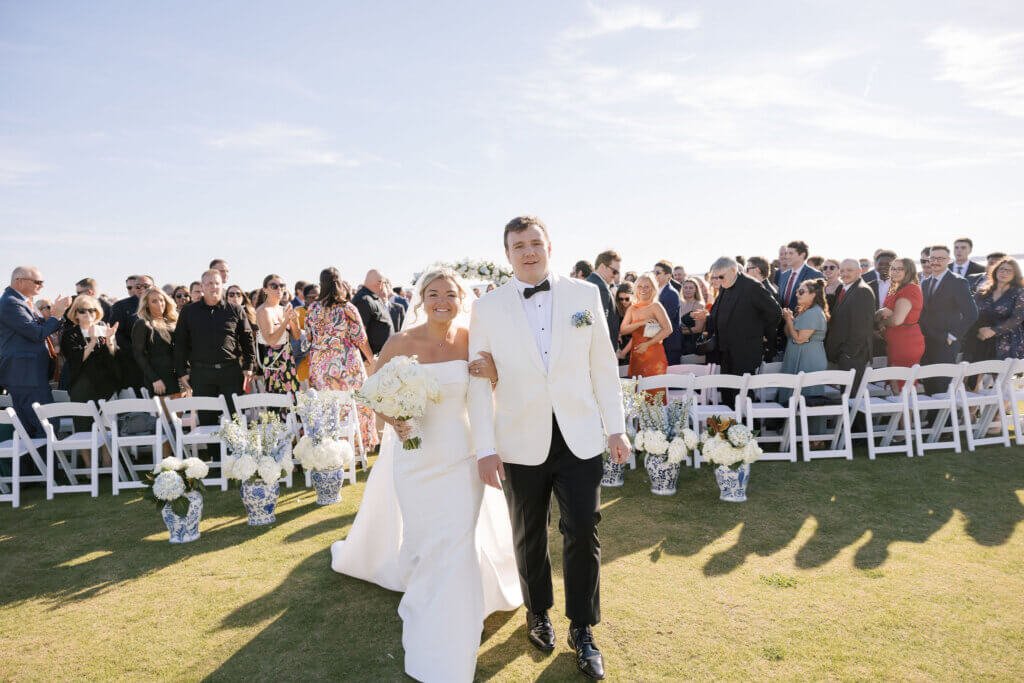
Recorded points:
322,446
173,479
726,442
401,390
260,450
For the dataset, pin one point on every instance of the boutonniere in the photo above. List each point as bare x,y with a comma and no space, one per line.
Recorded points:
583,319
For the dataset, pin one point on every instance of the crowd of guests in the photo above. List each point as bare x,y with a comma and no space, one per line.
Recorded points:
214,337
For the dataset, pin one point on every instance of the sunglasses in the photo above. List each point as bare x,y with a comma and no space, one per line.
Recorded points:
750,268
623,298
44,308
38,283
717,277
276,285
830,267
181,295
235,294
88,310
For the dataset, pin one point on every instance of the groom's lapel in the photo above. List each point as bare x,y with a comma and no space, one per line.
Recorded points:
559,307
517,317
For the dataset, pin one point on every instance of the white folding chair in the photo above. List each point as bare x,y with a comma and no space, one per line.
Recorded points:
707,401
623,371
120,443
943,403
988,379
1013,392
18,445
252,403
188,433
56,448
675,386
840,438
893,409
763,405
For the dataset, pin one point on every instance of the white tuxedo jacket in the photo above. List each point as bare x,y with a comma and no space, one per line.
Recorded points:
581,388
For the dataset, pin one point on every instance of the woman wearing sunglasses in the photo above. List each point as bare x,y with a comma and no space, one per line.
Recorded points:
88,347
805,339
830,268
278,325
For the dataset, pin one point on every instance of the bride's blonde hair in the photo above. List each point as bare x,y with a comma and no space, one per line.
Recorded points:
438,274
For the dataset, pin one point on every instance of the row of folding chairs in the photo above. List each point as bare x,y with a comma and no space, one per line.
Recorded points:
57,456
904,409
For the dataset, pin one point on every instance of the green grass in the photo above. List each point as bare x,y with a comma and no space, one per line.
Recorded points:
893,569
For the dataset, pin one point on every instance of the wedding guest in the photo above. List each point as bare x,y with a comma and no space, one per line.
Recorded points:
743,322
799,271
668,297
129,284
865,266
88,347
26,350
880,282
310,293
582,270
926,266
235,295
806,329
679,277
900,314
336,337
623,300
816,262
830,268
168,289
962,264
123,315
994,258
374,313
88,286
181,297
850,337
606,267
1001,313
397,313
949,311
153,343
648,324
214,346
397,298
299,301
221,266
691,300
278,326
195,290
759,269
782,267
43,308
630,277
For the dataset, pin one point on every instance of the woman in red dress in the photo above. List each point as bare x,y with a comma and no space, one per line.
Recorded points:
899,314
646,317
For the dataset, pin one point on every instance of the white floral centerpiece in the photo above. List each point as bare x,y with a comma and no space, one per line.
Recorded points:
401,390
666,440
176,486
727,443
323,446
260,456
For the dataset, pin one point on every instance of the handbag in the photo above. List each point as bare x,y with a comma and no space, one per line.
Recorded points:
707,345
651,328
136,424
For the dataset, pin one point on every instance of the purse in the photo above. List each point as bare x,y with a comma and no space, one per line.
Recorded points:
707,345
651,328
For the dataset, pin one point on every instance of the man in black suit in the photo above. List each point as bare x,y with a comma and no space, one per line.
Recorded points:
948,313
374,312
606,267
669,298
678,278
849,339
743,320
758,268
962,264
124,313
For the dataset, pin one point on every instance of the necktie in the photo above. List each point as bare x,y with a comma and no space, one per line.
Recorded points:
842,291
789,288
542,287
931,287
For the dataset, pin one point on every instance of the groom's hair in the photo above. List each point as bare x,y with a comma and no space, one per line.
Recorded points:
520,223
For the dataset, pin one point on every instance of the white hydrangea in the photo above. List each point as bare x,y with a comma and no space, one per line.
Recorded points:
752,451
168,486
303,449
740,435
638,441
655,442
269,469
196,468
170,464
690,438
244,467
677,451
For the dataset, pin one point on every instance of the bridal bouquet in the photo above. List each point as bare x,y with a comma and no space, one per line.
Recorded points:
725,442
401,390
323,446
259,448
172,481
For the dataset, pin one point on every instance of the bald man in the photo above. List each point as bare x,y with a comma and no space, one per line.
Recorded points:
24,353
374,311
852,322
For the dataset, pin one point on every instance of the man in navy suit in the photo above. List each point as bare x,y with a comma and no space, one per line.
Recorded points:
962,264
669,298
948,313
25,351
799,271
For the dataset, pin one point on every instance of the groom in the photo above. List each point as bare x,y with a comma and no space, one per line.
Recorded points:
543,429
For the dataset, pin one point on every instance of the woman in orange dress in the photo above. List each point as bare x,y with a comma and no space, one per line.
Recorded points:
647,317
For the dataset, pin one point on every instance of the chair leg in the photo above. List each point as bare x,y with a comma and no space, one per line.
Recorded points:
49,471
955,424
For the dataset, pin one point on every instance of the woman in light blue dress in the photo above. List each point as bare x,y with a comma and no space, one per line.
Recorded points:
805,341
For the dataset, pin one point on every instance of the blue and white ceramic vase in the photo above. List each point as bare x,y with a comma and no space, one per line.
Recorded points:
733,482
185,529
327,484
663,474
260,499
613,473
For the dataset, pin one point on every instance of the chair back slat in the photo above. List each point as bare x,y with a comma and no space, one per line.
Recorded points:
130,405
198,403
265,400
69,409
664,382
773,380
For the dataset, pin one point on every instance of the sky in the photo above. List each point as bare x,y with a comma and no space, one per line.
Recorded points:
287,137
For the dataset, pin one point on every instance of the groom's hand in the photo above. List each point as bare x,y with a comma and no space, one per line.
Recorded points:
491,470
618,446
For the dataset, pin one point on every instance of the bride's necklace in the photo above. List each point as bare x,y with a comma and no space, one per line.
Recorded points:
444,341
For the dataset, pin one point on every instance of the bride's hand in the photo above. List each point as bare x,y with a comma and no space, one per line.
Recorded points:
402,428
484,367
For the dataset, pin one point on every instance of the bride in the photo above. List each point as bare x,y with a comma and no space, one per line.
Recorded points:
426,526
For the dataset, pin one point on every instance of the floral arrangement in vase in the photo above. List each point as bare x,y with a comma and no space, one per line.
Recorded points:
176,487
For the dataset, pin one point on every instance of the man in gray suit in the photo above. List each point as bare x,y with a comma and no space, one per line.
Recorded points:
606,267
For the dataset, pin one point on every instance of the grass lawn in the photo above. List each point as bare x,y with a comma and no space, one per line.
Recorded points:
893,569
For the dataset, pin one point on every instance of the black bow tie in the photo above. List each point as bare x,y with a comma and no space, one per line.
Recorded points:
542,287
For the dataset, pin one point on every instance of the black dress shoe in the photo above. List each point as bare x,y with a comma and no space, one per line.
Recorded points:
539,631
588,657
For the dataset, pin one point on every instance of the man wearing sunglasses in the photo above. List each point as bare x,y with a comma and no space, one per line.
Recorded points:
606,268
668,297
124,313
25,351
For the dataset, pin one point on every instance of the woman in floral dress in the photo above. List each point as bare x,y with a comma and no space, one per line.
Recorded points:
1000,313
278,325
336,338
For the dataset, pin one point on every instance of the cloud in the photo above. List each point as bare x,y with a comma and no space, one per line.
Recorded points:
18,171
989,67
278,145
608,20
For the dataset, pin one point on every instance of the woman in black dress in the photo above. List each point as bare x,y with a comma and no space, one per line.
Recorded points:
153,343
88,348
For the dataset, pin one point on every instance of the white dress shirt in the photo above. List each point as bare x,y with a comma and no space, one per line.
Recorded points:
538,315
883,290
961,270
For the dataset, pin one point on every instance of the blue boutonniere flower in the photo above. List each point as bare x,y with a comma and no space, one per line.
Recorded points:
583,319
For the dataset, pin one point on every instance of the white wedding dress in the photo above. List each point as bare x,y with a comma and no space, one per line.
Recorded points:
429,527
